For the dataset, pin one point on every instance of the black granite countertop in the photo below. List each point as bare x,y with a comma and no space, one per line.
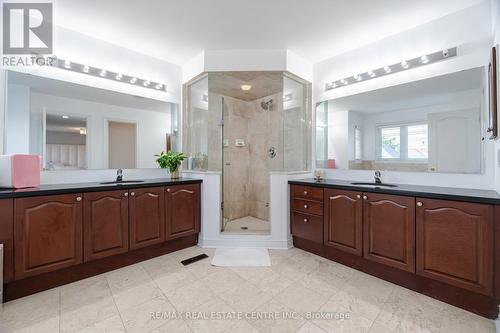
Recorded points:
90,187
434,192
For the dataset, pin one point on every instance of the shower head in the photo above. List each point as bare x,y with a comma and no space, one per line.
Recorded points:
267,106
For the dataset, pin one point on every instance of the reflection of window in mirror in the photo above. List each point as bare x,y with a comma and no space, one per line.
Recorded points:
406,142
65,142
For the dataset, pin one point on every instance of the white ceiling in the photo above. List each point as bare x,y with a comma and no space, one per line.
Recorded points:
177,30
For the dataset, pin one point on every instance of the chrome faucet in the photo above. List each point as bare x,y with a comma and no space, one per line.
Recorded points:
377,177
119,175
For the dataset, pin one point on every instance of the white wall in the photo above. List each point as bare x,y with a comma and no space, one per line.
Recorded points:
495,13
18,121
338,138
469,29
152,127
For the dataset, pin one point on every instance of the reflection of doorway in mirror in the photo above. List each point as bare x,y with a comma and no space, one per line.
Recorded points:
121,145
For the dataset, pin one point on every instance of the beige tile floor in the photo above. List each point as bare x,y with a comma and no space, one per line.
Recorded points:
255,226
298,283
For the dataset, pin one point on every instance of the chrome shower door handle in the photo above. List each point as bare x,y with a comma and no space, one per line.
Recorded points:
272,152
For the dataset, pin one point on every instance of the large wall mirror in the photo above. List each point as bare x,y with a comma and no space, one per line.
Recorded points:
79,127
431,125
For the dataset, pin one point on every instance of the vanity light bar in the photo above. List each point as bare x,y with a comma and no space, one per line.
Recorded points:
394,68
105,74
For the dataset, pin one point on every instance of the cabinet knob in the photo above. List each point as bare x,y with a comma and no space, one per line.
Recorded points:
365,197
305,193
168,190
125,194
132,193
78,198
419,204
358,196
306,220
305,206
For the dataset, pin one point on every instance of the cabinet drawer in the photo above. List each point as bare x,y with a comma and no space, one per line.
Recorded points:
306,226
308,207
307,192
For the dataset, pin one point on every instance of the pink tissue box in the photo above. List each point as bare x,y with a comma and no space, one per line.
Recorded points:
19,171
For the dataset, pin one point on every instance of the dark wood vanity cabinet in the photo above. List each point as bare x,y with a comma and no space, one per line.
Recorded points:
389,230
307,213
146,216
455,243
48,233
343,222
7,238
105,228
182,204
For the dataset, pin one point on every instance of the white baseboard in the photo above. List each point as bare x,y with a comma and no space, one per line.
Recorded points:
239,242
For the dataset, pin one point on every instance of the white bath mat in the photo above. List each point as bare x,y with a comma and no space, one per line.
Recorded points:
241,257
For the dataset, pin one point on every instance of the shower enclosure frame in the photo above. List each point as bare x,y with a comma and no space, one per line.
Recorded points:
187,137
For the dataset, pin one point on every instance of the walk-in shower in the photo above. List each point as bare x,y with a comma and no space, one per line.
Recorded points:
241,124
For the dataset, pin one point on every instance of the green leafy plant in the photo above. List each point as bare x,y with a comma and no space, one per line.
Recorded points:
171,160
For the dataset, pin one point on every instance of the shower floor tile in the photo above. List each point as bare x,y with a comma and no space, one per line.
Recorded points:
255,226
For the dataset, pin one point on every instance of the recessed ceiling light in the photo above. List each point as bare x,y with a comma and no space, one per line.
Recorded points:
371,74
133,80
344,82
387,69
67,64
102,73
86,69
424,59
357,77
246,87
146,83
159,86
404,64
65,117
118,76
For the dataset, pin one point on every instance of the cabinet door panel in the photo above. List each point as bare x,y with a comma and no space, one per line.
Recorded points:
7,238
182,210
389,230
343,220
48,234
455,243
147,216
105,224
